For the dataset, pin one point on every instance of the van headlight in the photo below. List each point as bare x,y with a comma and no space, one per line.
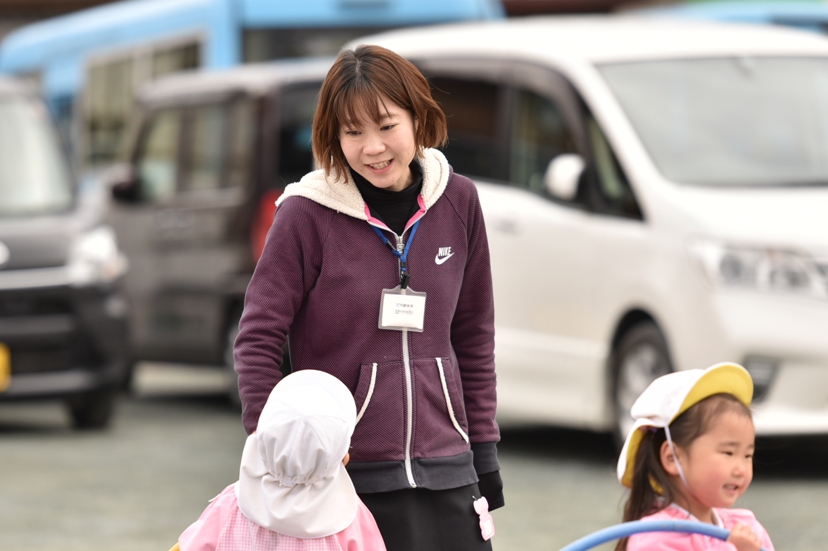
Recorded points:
94,258
765,269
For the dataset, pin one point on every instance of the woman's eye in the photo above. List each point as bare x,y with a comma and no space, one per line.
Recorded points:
352,132
388,126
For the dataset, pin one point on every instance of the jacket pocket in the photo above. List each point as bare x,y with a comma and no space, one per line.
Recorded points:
441,428
380,399
453,413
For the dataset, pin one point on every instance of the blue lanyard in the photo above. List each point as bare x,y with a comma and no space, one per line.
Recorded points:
402,256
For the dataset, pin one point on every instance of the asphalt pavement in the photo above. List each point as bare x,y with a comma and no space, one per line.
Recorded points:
176,441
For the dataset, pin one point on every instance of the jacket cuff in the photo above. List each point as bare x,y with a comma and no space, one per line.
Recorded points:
485,457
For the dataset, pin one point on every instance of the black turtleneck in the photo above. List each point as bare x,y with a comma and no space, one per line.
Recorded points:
394,208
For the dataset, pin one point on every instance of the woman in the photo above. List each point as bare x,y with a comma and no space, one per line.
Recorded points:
377,266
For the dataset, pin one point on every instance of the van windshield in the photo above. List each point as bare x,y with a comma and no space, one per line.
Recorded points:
34,176
729,121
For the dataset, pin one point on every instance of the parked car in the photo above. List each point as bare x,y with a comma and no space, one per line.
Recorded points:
62,312
655,194
208,156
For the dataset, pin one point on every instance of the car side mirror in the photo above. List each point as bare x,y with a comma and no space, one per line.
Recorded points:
123,183
563,174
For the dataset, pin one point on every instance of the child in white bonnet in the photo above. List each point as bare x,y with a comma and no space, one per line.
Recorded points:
293,491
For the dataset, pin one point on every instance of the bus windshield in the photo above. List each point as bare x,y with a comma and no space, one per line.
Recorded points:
757,121
34,176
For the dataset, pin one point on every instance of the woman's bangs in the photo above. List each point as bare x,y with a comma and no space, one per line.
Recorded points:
356,102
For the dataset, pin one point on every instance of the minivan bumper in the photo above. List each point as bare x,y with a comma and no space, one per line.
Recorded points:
63,341
784,341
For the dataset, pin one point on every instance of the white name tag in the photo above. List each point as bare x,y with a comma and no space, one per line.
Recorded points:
402,309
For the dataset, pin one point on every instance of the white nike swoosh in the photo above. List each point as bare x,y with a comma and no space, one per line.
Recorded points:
438,260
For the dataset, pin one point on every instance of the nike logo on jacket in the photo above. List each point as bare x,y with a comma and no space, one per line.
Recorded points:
443,254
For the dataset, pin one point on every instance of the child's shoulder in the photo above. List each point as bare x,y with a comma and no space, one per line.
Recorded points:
668,513
732,516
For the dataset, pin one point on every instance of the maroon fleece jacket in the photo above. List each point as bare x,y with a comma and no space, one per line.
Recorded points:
320,280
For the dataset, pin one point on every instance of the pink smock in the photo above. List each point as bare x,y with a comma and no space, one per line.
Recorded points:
223,527
677,541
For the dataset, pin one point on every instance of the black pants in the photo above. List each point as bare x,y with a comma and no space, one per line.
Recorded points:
428,520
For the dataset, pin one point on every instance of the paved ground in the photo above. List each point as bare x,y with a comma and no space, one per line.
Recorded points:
176,443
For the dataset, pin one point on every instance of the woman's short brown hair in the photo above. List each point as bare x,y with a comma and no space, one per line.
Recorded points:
354,85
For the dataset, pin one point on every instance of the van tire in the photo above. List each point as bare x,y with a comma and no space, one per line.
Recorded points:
93,411
639,358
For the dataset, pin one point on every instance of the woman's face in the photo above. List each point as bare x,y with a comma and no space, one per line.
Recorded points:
381,152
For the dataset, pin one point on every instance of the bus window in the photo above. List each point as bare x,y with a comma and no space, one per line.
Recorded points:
111,83
178,58
107,104
269,44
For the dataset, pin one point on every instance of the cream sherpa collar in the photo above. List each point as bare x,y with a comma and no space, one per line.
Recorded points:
343,196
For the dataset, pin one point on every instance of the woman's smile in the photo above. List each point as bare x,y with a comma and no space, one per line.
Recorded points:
381,151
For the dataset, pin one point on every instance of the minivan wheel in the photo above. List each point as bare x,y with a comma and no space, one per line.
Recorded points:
640,357
92,410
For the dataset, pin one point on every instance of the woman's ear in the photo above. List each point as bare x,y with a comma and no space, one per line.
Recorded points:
668,459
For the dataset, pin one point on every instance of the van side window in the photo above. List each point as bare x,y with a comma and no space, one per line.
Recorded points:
472,111
615,194
295,118
157,163
539,135
206,139
241,141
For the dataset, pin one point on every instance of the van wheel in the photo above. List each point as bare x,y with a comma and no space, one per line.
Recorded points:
93,410
640,357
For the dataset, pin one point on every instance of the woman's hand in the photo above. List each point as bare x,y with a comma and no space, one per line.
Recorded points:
744,539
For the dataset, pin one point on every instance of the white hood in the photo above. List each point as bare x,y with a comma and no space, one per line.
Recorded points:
343,196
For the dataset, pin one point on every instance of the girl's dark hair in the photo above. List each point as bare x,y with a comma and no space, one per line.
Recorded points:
353,86
652,488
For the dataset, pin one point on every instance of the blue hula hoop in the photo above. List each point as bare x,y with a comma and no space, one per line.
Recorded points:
638,526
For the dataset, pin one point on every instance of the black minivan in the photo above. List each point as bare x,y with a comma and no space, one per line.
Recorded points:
63,314
207,157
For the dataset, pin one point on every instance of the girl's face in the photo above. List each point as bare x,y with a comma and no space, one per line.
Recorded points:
718,465
381,153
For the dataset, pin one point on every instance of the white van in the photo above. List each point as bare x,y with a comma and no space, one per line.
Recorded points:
656,199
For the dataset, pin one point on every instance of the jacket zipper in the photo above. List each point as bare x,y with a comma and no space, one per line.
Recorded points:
408,389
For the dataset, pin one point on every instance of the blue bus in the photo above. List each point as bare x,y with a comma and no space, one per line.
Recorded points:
88,64
809,15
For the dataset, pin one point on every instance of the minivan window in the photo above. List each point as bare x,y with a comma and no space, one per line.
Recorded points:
614,190
207,145
296,117
729,121
34,175
157,165
539,135
472,108
241,142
